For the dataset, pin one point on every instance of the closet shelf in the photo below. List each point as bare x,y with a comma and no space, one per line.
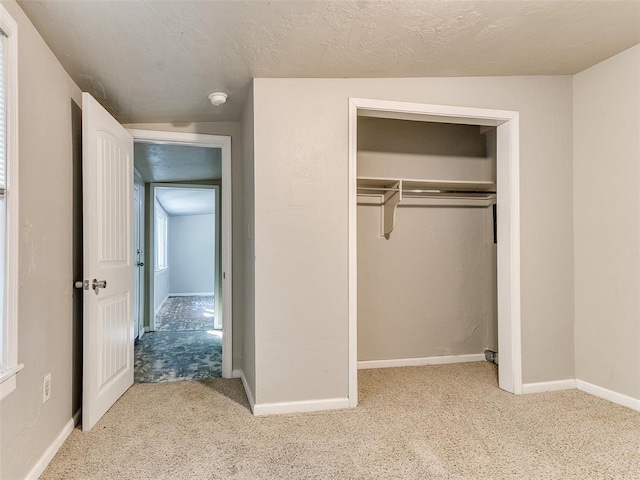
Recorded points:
393,191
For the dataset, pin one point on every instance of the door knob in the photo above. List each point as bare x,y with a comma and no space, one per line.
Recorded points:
82,284
141,264
98,284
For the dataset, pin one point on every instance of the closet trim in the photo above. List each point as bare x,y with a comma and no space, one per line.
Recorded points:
508,212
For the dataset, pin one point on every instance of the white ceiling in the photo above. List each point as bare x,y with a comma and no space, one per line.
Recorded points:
159,162
156,61
186,201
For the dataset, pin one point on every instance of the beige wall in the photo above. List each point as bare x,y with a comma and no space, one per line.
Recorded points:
301,158
412,149
426,291
607,223
430,288
233,130
48,126
249,366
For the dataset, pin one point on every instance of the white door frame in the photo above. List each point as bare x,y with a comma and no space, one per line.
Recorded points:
222,142
140,258
508,213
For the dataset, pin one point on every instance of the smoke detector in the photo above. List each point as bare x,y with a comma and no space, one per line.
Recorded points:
218,98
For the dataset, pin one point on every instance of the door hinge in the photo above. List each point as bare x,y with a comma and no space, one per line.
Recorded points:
495,224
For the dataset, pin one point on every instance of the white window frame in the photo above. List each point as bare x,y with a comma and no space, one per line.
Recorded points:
161,237
9,365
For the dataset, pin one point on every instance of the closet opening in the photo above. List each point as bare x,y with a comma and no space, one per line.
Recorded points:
433,238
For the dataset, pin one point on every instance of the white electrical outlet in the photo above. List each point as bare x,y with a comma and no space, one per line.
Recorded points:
46,387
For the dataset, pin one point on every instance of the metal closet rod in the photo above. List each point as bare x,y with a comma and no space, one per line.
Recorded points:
390,189
413,190
470,192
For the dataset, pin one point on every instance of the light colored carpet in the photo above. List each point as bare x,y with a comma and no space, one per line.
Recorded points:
436,422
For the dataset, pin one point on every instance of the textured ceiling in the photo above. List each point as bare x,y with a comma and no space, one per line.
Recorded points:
149,61
186,201
159,162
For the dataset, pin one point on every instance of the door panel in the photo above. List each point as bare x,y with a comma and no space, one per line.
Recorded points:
107,165
112,315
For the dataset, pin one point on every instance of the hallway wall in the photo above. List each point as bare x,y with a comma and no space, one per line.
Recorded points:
192,254
162,278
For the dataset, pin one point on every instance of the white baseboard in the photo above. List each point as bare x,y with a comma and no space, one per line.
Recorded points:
553,386
199,294
162,304
301,406
245,384
610,395
288,407
414,362
587,387
39,468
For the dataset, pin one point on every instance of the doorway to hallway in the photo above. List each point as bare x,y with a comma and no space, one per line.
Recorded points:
185,336
186,258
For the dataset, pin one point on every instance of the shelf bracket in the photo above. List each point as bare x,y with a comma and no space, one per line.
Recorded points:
390,203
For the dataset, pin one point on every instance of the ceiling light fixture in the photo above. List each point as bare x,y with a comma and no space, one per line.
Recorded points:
218,98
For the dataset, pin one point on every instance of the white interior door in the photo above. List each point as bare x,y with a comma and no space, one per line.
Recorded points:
217,273
138,254
107,175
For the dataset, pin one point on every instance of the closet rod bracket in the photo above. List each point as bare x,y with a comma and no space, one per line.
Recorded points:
390,202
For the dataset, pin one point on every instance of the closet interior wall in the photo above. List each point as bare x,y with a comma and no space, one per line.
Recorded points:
430,289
